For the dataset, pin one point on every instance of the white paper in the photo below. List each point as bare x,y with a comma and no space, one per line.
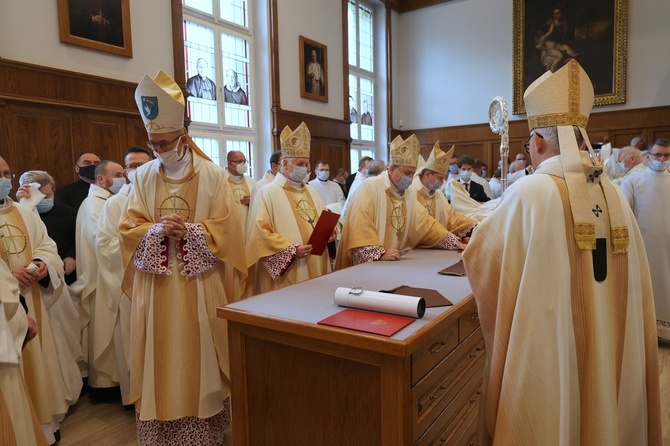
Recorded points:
399,304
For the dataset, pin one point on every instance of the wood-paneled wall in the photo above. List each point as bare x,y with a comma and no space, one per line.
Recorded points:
477,140
49,116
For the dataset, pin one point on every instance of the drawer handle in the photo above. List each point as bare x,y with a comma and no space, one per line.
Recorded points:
474,317
438,346
435,396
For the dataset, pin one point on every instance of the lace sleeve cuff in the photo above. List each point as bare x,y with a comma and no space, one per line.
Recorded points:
466,232
151,255
196,256
365,254
277,264
449,242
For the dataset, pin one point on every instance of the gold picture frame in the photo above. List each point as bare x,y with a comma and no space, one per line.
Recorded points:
105,27
594,32
313,70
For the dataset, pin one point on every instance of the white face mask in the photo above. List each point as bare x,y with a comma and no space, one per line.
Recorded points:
323,175
241,168
117,184
131,175
298,174
171,156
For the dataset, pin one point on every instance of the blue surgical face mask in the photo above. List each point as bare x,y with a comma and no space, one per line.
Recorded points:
5,187
45,205
453,169
404,183
659,166
435,185
117,184
483,173
622,167
465,175
323,175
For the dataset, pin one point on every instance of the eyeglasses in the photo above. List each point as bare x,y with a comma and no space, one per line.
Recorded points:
660,156
8,174
239,162
162,145
526,145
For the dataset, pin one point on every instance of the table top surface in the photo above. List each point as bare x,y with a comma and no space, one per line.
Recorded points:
311,301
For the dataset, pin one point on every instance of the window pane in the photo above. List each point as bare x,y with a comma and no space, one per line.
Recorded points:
365,23
200,5
353,33
201,72
235,11
367,108
353,106
211,148
236,91
245,147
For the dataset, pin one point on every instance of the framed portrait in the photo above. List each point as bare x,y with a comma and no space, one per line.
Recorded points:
313,70
102,25
593,32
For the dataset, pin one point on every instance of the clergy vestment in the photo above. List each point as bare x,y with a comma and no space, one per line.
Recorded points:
282,218
329,191
101,366
241,185
18,422
267,178
439,208
179,365
115,335
25,238
638,168
647,194
379,218
570,360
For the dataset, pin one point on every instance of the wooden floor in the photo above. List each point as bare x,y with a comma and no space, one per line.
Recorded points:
109,424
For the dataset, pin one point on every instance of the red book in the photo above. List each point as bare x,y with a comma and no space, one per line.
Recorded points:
322,231
367,321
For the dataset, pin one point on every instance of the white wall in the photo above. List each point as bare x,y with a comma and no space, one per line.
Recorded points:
29,33
321,21
454,58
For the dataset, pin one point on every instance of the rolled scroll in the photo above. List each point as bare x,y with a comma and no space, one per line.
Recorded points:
399,304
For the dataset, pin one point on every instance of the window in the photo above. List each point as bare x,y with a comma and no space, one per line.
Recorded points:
361,81
218,42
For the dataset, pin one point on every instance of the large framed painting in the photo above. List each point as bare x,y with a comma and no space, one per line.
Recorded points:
102,25
594,32
313,70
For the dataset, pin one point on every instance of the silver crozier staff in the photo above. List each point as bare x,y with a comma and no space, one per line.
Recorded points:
498,124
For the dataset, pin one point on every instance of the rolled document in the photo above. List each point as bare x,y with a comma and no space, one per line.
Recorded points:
399,304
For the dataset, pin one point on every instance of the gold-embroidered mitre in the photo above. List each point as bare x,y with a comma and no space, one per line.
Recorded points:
405,153
438,161
161,103
295,143
561,98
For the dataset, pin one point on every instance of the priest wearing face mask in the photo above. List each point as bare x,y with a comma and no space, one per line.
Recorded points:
242,185
180,232
112,328
427,182
385,216
329,191
109,180
475,189
75,193
282,219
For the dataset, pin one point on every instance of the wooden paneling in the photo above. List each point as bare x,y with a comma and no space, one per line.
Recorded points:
478,141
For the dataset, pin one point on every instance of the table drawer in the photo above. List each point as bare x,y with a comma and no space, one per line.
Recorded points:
442,385
468,322
454,421
434,351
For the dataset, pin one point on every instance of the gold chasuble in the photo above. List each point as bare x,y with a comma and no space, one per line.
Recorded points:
241,186
25,238
179,348
281,216
439,208
379,216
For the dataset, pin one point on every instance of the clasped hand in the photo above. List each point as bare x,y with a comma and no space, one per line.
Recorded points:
174,226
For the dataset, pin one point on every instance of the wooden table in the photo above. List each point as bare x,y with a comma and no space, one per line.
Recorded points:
298,383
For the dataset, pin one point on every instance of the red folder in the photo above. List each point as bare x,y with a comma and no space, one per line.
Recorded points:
367,321
322,231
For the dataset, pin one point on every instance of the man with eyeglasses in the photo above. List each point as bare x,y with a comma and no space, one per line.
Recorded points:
242,185
75,193
647,193
563,292
182,248
33,259
102,379
112,334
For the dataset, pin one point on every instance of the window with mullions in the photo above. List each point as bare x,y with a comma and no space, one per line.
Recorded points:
361,73
217,54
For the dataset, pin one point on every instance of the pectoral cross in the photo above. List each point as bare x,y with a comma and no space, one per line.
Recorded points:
174,204
398,221
14,239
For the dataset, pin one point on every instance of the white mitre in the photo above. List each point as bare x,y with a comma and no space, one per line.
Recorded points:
161,103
